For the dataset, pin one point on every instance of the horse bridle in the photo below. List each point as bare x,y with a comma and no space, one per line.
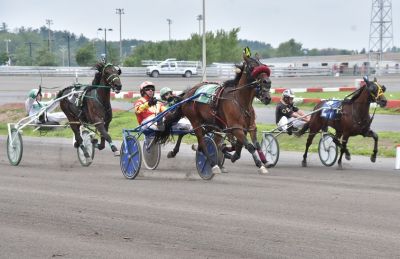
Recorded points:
379,93
111,78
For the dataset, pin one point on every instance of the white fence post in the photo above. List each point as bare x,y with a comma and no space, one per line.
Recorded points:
397,157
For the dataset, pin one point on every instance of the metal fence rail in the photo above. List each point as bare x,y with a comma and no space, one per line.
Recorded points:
223,71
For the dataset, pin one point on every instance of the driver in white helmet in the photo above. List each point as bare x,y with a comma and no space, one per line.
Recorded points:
34,104
286,113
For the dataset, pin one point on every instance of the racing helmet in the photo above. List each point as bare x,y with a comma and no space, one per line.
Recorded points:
164,91
33,93
144,85
288,93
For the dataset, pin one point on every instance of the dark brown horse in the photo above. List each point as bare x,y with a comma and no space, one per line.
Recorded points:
96,107
353,119
233,114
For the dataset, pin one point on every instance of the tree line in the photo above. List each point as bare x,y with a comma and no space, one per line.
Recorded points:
33,47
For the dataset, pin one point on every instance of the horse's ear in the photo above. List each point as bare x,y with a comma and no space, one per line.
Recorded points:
375,80
119,71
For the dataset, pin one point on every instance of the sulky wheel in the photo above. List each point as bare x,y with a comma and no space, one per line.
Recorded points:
151,153
14,147
88,145
203,165
131,157
327,149
270,147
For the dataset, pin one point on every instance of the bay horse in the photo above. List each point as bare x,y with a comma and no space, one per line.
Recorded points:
353,119
232,113
95,108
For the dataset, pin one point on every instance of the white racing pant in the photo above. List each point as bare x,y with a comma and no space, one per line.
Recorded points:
284,121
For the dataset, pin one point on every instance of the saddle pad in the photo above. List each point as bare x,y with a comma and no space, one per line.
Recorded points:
209,90
330,109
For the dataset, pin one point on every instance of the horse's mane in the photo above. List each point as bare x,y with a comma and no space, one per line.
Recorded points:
354,95
235,81
97,77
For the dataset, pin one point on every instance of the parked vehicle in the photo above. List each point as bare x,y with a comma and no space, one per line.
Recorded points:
173,67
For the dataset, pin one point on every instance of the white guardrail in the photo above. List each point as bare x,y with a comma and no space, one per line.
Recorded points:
225,71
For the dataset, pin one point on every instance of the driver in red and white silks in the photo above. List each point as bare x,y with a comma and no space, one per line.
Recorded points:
147,106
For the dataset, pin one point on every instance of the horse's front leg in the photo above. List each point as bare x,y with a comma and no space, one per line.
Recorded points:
103,129
242,140
253,136
372,134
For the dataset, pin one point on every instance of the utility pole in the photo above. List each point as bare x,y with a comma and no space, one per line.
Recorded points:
30,50
68,37
381,29
49,22
169,21
120,12
204,42
199,18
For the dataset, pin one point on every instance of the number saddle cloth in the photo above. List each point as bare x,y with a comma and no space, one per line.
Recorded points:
331,110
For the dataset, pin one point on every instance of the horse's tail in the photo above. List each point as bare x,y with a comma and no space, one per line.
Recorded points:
170,119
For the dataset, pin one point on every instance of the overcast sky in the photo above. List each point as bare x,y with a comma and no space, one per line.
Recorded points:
314,23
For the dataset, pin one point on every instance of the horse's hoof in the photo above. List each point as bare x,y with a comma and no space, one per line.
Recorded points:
304,163
76,145
262,170
373,158
216,170
171,154
223,170
99,147
348,157
114,149
340,167
95,141
194,147
117,153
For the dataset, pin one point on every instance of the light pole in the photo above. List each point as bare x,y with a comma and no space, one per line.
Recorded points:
120,12
199,18
169,21
204,42
105,41
7,41
49,22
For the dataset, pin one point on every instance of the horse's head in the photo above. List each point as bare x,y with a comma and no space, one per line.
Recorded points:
258,76
376,92
109,76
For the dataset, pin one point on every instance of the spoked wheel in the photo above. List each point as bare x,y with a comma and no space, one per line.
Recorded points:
131,157
270,147
14,147
87,143
327,150
151,153
203,165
